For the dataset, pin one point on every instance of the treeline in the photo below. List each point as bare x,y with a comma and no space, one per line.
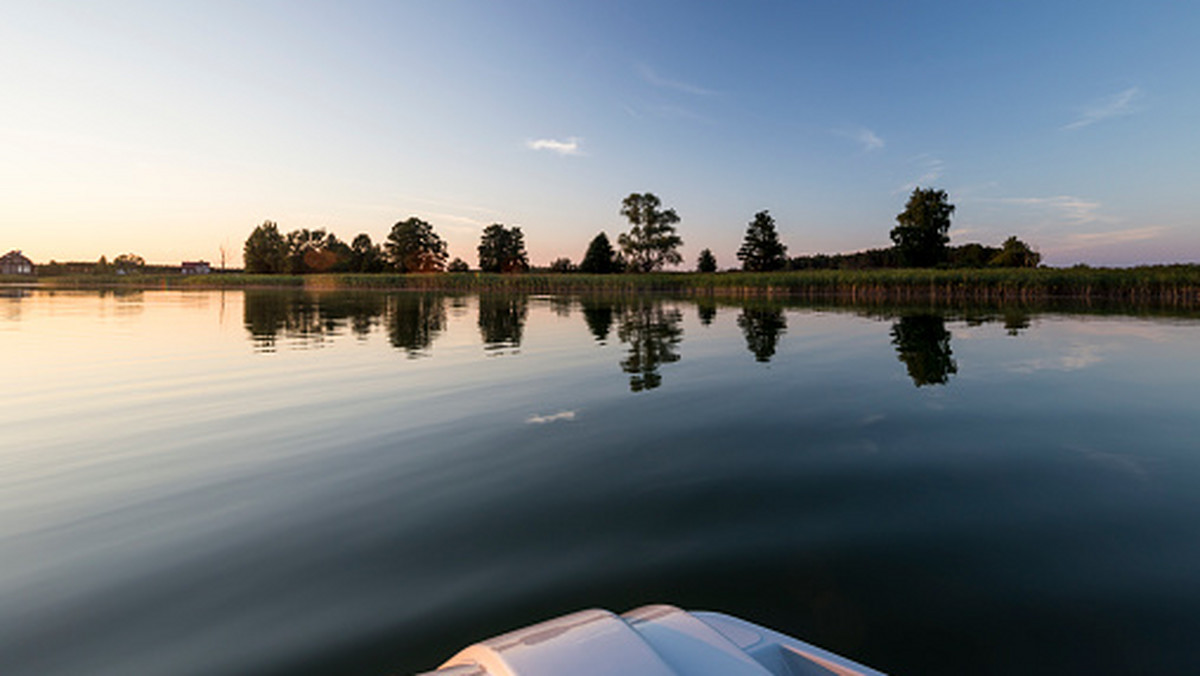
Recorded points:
920,240
124,264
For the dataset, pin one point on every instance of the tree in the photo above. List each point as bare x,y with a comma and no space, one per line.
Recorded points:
761,250
413,246
458,265
707,262
921,235
127,263
561,265
600,258
265,250
502,249
365,255
651,241
315,251
1015,254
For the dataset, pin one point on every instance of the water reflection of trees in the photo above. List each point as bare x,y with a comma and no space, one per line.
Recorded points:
653,334
706,310
762,328
502,321
923,344
414,320
308,319
599,316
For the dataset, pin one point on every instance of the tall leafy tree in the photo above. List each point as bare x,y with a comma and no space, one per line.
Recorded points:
365,255
651,241
502,249
313,251
600,258
458,265
707,262
921,234
413,246
1016,254
126,263
761,249
265,251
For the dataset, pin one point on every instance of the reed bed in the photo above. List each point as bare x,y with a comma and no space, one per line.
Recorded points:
1174,284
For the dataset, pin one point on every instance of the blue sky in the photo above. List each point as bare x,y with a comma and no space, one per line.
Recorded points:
172,129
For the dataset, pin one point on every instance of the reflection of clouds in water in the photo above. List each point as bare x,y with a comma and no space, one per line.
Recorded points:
554,417
1155,333
1077,358
1118,462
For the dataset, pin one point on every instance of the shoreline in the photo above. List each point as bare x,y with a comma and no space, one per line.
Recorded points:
1175,285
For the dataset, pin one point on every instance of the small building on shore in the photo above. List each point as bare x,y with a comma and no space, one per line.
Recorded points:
195,268
14,263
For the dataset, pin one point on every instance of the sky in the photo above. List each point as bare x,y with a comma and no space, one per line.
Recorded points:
172,129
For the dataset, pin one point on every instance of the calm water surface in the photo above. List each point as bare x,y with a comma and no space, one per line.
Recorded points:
271,482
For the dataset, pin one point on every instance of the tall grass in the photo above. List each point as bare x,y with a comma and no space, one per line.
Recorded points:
1174,284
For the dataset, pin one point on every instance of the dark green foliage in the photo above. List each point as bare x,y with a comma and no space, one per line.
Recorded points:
871,259
561,265
651,241
971,255
706,262
1015,254
265,251
761,250
600,258
762,328
502,249
413,246
128,263
366,256
923,344
458,265
921,236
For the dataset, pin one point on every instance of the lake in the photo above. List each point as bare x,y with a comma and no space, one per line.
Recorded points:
269,482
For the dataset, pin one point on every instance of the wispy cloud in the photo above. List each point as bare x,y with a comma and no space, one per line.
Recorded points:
1062,208
657,80
554,417
1118,105
1075,358
1079,240
571,146
931,168
866,138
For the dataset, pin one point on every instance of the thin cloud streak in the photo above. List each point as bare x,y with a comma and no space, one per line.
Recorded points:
553,417
655,79
567,147
1074,210
866,138
932,169
1117,105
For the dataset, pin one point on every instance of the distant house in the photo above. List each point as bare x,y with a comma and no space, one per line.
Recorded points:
13,263
195,268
